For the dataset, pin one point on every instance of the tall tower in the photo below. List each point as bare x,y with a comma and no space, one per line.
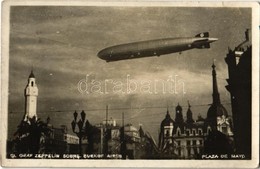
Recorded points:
215,95
219,137
31,93
217,116
166,134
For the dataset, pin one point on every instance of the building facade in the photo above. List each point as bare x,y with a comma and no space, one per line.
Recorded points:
186,138
239,61
189,138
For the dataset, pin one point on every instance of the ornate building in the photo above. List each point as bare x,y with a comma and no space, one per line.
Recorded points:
185,139
181,138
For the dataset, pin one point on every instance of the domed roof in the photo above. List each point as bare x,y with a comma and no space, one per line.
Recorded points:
167,120
216,110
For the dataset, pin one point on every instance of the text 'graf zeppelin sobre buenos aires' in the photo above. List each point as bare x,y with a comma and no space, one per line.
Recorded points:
155,47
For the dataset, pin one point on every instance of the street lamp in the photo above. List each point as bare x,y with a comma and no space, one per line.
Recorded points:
80,124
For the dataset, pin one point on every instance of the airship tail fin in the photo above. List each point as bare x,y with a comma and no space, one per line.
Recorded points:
202,35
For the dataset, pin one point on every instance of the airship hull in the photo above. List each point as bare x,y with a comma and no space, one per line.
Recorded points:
152,48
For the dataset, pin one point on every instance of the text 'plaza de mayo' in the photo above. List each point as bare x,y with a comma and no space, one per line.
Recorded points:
218,134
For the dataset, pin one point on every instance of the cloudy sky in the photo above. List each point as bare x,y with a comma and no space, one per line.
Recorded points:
61,44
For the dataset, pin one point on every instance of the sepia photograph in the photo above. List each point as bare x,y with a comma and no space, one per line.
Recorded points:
96,84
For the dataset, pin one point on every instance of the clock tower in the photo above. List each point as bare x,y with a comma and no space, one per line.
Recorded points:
31,93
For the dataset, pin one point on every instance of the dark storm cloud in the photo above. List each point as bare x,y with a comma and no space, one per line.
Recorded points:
61,43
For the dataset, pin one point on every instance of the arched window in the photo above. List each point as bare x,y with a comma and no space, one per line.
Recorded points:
193,132
209,129
178,131
32,83
167,133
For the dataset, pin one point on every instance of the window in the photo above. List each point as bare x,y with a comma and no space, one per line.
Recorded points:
208,130
188,132
31,83
188,142
188,151
178,131
167,133
194,142
224,129
200,132
193,132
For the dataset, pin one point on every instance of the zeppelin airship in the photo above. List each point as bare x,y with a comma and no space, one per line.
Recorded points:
155,47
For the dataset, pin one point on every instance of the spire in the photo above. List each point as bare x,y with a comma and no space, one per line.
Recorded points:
189,114
31,75
215,95
141,131
216,109
179,116
167,113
